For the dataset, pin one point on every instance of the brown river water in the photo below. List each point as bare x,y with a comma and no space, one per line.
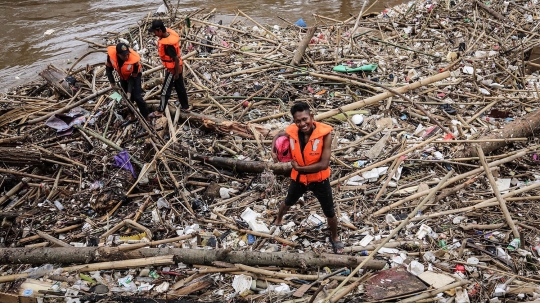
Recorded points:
25,48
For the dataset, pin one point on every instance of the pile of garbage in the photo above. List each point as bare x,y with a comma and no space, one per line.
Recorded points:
434,164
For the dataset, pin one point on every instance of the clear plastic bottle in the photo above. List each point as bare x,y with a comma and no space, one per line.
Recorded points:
38,272
58,205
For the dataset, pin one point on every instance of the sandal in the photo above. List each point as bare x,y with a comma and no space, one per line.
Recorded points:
337,246
185,110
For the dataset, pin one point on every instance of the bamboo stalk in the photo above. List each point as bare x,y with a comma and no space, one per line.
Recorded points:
435,292
52,239
382,96
392,234
451,181
497,193
154,243
154,261
375,165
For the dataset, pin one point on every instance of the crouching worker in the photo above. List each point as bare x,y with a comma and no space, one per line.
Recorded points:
310,147
126,63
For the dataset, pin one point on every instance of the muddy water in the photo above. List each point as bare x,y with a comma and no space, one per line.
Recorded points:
25,49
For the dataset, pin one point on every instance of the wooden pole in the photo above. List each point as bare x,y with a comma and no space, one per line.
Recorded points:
81,255
301,49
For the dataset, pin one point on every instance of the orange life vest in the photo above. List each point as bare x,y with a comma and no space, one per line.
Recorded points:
174,40
127,68
312,152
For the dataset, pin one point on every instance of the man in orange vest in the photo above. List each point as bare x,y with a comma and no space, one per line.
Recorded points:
126,63
310,146
171,57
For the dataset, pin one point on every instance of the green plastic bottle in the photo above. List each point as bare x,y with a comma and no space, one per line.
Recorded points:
363,68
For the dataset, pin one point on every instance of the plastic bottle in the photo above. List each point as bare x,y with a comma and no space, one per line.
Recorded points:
536,249
514,244
58,205
38,272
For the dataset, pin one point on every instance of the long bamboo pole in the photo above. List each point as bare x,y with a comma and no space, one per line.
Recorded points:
155,261
392,234
497,192
375,165
382,96
451,181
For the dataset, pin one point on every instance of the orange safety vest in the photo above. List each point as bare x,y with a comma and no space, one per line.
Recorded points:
312,152
174,40
127,68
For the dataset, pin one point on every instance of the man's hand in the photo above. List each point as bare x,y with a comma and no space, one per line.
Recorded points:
295,165
175,77
128,96
114,86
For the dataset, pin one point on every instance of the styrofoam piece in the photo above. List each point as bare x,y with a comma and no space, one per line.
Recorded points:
437,280
251,219
366,240
241,283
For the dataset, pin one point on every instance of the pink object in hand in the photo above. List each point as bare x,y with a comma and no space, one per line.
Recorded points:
283,149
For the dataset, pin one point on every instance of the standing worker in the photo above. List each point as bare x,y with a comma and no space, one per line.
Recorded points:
126,63
171,57
310,146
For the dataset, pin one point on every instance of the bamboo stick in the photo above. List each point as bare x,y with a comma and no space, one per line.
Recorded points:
154,243
375,165
392,234
497,193
435,292
154,261
52,239
451,181
382,96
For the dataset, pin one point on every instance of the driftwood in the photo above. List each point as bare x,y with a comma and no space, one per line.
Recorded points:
301,50
56,79
228,127
67,255
526,126
245,166
20,156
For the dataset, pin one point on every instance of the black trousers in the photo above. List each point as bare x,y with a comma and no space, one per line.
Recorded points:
321,190
166,91
136,93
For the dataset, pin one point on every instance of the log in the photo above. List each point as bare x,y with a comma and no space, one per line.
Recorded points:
19,156
245,166
382,96
523,127
301,49
226,127
491,11
55,78
68,255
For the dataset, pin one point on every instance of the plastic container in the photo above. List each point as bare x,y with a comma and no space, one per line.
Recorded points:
38,272
514,244
58,205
